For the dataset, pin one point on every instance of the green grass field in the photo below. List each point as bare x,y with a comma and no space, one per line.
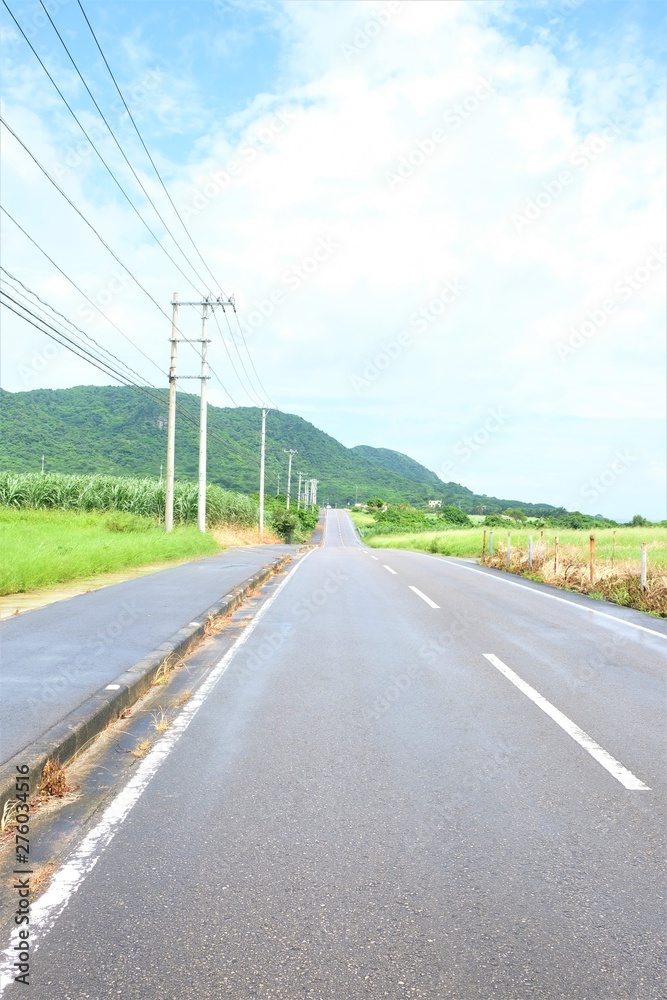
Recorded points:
43,548
467,542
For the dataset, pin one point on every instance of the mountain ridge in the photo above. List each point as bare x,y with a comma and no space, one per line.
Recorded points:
120,430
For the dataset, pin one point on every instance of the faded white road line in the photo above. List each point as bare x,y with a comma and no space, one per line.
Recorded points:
616,769
46,910
390,570
376,558
563,600
428,600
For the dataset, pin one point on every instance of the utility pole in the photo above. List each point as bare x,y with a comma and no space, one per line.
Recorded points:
261,474
171,422
42,465
298,496
208,305
278,486
291,452
201,481
313,492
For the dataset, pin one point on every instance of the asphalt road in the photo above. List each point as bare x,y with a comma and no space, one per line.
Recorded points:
53,658
370,802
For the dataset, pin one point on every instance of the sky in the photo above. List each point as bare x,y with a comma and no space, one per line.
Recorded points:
442,223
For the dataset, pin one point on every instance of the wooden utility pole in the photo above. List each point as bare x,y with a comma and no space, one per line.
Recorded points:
171,422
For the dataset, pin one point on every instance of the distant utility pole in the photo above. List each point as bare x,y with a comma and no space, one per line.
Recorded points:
207,305
313,492
261,474
306,494
291,452
278,486
298,495
42,465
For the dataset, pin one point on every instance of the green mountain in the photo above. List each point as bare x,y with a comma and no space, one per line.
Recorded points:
120,430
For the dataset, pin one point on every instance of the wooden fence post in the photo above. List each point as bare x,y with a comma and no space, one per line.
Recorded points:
556,554
530,552
490,544
484,546
591,565
509,550
643,573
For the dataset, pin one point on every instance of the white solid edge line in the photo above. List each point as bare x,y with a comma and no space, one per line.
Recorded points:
615,768
46,910
390,569
428,600
563,600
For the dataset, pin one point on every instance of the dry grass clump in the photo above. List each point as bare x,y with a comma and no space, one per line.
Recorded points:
619,583
233,535
53,781
141,749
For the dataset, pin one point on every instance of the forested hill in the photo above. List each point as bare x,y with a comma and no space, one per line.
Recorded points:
120,430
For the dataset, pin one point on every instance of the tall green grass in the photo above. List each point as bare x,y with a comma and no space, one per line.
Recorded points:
143,497
43,548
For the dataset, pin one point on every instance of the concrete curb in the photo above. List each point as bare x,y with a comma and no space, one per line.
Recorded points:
68,737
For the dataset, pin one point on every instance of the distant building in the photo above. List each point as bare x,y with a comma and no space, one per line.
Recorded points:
435,503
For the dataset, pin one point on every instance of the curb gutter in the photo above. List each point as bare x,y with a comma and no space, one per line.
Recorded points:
67,738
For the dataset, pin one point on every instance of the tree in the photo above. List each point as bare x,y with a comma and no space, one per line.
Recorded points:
638,521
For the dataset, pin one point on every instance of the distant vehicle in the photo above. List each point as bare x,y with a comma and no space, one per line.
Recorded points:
328,506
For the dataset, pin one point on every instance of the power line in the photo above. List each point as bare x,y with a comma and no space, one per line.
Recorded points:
99,155
79,290
100,347
136,129
113,136
164,187
107,368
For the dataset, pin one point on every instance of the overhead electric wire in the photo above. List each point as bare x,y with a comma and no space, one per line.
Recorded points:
257,399
65,340
245,344
136,129
82,216
80,290
100,347
164,187
106,368
231,360
113,136
101,158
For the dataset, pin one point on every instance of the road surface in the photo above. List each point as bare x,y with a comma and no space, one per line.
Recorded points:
53,658
408,779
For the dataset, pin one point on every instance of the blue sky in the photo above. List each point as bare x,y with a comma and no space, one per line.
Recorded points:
300,135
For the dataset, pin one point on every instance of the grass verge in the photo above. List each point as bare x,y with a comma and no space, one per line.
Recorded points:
616,575
43,548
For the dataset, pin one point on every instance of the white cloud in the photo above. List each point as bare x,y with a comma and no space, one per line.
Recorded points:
321,170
